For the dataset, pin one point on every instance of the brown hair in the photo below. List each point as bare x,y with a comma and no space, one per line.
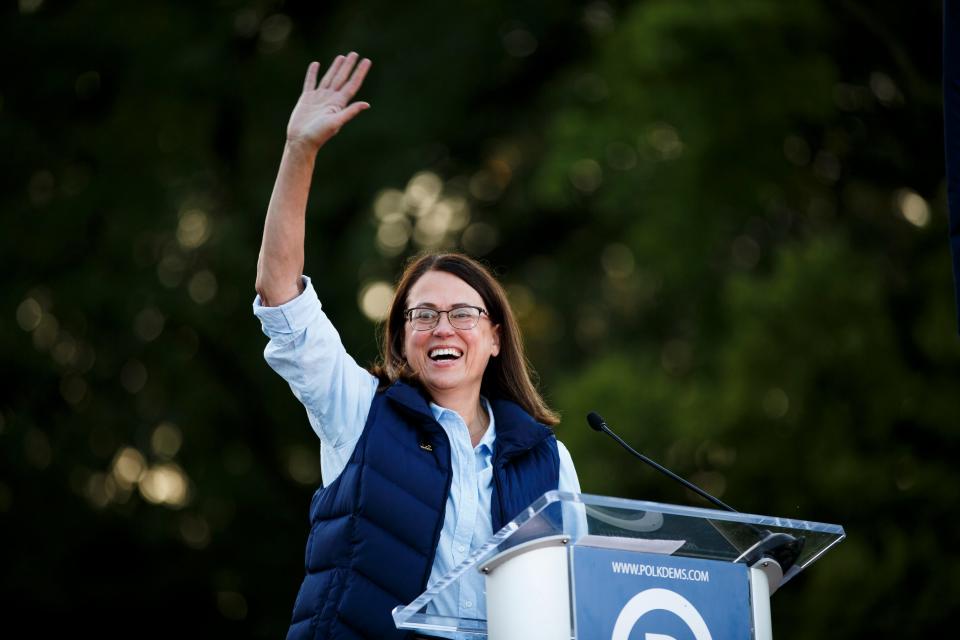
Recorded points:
508,376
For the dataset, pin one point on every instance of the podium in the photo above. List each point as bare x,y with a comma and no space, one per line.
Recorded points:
579,566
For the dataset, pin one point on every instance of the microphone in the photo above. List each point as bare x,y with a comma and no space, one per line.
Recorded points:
597,424
782,547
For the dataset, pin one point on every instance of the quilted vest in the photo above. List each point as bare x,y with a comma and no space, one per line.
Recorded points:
374,530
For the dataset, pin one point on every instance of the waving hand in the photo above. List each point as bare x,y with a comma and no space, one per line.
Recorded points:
324,107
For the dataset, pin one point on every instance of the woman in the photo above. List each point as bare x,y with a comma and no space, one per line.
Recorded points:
427,456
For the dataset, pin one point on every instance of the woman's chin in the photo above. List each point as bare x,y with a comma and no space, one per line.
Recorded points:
445,381
442,380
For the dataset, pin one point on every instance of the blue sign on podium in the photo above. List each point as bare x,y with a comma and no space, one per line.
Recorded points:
628,595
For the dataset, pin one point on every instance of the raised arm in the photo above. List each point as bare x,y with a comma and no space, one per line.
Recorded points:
323,108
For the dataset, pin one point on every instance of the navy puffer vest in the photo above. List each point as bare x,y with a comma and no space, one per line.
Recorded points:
374,530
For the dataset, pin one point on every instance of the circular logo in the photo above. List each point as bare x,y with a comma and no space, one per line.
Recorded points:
652,600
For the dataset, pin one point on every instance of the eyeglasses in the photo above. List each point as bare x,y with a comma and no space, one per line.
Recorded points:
426,318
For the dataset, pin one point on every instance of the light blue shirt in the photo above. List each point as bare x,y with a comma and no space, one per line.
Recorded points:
305,349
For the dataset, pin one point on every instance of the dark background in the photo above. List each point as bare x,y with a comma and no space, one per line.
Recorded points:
722,225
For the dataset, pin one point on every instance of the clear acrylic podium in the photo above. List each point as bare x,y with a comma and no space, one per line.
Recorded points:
548,569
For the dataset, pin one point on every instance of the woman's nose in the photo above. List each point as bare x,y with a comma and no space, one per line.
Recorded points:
443,328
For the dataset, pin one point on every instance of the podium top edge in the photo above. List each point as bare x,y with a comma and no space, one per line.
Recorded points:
694,512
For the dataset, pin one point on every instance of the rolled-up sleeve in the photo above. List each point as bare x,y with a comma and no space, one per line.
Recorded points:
305,349
568,480
574,514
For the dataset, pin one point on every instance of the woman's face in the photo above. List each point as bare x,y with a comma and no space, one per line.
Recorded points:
460,366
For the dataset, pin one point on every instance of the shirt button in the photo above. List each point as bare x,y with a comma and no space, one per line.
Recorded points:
461,549
468,604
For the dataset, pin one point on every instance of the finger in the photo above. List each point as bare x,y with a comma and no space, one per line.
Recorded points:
310,81
353,85
343,72
334,66
350,113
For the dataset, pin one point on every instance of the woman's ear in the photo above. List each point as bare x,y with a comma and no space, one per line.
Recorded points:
495,348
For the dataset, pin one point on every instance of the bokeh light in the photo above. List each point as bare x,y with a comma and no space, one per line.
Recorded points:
912,207
165,484
375,299
166,440
193,228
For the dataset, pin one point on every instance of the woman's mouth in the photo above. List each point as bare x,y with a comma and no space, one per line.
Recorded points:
445,354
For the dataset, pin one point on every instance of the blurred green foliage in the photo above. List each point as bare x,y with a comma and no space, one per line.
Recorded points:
721,225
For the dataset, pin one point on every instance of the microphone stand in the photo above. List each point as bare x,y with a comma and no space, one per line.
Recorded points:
783,548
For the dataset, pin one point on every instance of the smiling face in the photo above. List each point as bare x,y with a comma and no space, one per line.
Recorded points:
449,362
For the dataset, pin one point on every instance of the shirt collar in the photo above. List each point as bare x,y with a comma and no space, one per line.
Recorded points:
487,440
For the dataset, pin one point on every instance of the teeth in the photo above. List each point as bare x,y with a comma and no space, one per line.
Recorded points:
436,353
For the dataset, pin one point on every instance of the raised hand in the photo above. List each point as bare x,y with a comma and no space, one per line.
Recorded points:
325,107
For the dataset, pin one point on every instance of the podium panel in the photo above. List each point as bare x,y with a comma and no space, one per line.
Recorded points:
619,592
670,567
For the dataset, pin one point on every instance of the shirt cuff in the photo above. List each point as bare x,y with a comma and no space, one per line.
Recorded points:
291,317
